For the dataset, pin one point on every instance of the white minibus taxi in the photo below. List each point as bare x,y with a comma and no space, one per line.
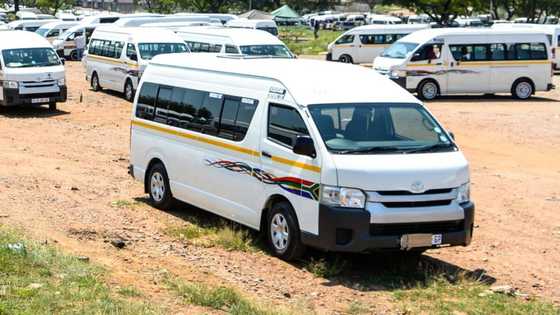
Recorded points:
65,45
282,146
233,41
552,31
117,57
52,31
362,44
459,61
30,71
28,25
263,25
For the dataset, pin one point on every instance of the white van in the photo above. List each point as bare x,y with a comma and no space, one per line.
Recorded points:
117,57
552,31
383,19
30,71
263,25
28,25
66,16
308,158
234,41
458,61
65,45
52,31
362,44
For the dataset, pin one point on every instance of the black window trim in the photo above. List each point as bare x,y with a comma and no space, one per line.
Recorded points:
270,104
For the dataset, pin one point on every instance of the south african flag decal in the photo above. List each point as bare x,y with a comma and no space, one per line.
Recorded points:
294,185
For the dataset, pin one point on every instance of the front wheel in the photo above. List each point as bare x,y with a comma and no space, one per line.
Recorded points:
428,90
95,82
522,89
128,91
284,236
158,187
345,59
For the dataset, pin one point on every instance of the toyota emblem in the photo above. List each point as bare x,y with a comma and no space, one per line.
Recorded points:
417,187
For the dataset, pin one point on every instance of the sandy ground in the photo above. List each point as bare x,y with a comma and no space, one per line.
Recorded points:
64,179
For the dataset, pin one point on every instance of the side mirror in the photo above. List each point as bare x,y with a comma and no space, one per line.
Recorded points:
305,146
452,135
416,57
134,57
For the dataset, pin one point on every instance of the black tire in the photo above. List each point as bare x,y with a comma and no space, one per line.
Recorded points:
74,55
345,59
52,107
95,82
291,248
428,90
129,91
522,89
158,187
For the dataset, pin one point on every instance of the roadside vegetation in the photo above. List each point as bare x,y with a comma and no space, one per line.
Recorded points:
37,279
301,41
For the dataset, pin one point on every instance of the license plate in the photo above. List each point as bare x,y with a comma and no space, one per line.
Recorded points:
420,240
40,100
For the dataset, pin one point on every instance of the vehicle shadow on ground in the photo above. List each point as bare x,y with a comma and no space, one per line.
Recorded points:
116,94
362,272
30,112
489,99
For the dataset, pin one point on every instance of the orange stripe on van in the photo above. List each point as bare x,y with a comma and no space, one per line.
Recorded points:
224,145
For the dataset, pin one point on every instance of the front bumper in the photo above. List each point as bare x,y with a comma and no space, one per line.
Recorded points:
550,87
12,97
329,57
399,80
344,230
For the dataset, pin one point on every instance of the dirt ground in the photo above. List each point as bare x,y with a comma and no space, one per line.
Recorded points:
64,179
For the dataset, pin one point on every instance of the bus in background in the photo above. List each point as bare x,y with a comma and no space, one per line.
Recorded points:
117,57
362,44
460,61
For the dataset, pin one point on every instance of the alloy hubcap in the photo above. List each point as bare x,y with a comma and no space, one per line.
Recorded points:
523,90
128,92
279,232
95,82
429,90
157,187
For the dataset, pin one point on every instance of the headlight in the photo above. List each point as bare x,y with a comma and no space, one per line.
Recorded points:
61,82
343,197
10,84
464,193
398,73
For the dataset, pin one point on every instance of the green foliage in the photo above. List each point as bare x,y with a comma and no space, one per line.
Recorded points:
40,280
301,41
326,268
441,11
53,6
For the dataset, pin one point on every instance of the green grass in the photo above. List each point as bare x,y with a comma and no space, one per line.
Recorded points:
301,41
357,308
219,298
123,204
324,268
40,280
219,233
129,291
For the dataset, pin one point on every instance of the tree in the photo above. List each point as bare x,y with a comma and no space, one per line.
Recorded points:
52,6
160,6
443,12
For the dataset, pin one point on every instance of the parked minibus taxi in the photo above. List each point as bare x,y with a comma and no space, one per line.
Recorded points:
52,31
65,45
263,25
30,71
362,44
117,56
459,61
283,147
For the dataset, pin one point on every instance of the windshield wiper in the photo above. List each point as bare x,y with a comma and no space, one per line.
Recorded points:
431,147
370,150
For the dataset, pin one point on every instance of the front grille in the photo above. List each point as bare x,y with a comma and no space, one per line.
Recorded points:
40,95
413,228
408,193
416,204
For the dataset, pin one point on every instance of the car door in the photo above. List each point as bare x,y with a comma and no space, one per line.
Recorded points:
427,62
369,47
345,47
297,177
469,69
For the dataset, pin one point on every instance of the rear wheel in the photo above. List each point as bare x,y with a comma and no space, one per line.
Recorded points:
95,82
158,187
522,89
52,106
74,55
345,59
428,90
284,236
129,91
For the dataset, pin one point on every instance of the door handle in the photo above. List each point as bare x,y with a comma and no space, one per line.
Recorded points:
266,154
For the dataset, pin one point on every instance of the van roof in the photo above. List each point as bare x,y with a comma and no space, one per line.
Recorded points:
388,27
308,81
247,22
138,34
59,24
425,35
22,39
237,35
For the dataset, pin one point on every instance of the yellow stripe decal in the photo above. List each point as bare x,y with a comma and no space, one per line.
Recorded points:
485,63
112,60
225,145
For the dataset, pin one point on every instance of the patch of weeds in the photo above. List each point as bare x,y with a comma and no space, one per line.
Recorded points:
188,232
218,298
436,295
326,268
357,308
129,291
123,204
232,239
37,279
301,40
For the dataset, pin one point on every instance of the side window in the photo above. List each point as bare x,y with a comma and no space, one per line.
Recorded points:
462,52
346,39
480,52
145,108
53,33
236,118
372,39
118,49
209,113
523,51
130,50
427,52
162,104
538,51
285,125
230,49
390,38
498,52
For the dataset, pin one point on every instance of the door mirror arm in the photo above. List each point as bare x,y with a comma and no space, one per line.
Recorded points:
304,146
